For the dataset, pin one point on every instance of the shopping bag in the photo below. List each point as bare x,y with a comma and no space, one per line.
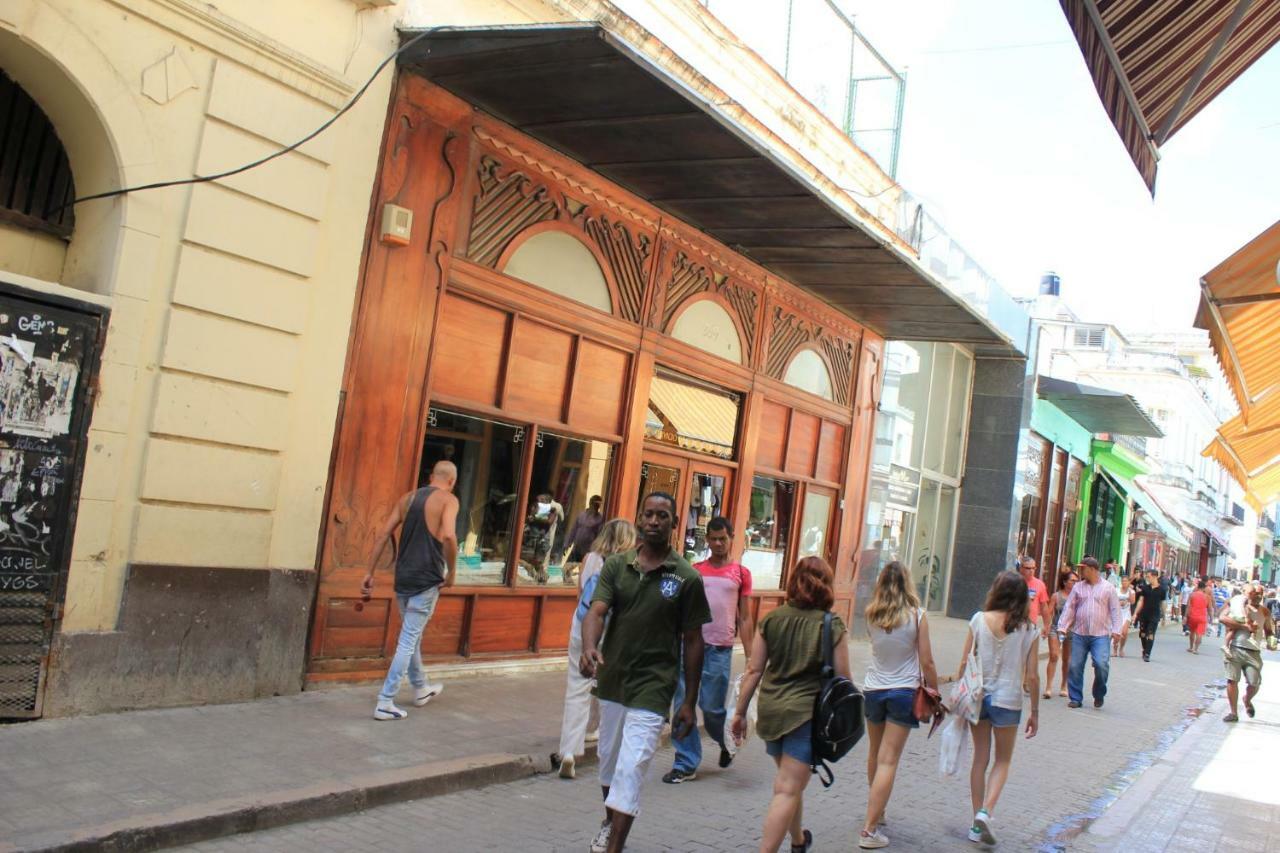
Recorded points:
731,706
953,745
966,695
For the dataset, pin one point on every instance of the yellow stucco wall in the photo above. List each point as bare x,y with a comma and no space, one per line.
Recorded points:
231,301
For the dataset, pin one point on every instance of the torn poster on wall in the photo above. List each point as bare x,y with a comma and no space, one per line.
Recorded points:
36,394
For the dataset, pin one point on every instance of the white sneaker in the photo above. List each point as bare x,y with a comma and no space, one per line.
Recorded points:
600,844
423,695
387,710
873,840
592,737
566,767
982,823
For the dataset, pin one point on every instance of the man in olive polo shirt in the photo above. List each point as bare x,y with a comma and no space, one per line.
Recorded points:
658,608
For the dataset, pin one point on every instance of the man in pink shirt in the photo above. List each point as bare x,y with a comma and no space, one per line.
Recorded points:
728,588
1041,610
1092,617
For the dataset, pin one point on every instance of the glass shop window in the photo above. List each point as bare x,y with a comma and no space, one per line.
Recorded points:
768,530
686,414
567,495
487,454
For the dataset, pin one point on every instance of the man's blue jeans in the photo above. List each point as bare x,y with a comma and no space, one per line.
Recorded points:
1099,648
415,613
717,664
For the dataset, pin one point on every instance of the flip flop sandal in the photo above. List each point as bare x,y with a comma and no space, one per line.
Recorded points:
1249,709
803,848
1230,718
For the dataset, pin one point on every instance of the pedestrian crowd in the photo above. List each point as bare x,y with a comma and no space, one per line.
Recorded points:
652,640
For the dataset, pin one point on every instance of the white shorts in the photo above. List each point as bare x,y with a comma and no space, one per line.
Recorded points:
628,740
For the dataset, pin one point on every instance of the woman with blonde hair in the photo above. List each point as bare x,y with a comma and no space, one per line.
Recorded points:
787,652
901,659
615,537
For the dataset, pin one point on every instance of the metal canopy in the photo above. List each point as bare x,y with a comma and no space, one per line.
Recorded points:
581,90
1098,409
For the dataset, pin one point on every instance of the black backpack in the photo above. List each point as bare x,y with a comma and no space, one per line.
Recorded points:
838,721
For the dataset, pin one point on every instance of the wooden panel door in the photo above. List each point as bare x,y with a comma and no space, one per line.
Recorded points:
702,490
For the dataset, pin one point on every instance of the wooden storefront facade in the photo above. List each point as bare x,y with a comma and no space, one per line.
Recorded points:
685,376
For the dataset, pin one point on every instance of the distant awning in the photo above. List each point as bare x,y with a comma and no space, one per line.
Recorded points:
1166,525
611,106
1098,409
1155,65
1240,308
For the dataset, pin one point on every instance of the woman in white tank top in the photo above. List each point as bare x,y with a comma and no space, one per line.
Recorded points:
901,659
1007,646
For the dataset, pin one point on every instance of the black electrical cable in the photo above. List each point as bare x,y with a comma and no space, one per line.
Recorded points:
200,179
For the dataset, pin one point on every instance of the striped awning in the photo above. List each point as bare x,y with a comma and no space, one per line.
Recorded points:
1240,308
1157,64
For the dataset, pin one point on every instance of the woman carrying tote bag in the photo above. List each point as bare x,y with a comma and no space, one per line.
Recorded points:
1006,645
901,662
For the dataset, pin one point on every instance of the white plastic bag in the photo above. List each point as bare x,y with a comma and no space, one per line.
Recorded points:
731,705
953,743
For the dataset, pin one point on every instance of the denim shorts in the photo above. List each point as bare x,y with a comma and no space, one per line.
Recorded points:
999,717
797,743
896,705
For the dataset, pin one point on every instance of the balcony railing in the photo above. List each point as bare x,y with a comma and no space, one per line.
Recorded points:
820,52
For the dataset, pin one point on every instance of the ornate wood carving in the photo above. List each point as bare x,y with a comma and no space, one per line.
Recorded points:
508,201
688,279
790,332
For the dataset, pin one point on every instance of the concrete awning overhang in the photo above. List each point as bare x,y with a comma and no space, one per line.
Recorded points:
1098,410
616,109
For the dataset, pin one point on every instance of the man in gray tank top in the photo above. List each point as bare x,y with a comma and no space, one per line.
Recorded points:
425,559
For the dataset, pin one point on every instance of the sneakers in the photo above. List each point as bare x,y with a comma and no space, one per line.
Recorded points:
423,695
1097,703
600,844
592,737
675,777
873,840
566,767
387,710
1073,704
982,823
726,757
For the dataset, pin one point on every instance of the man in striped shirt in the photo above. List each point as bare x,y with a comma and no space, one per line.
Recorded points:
1093,619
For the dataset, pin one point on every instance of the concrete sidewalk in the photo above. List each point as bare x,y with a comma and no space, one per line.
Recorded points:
1213,789
148,779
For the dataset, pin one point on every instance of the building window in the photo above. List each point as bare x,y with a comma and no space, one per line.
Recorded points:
35,177
815,523
1092,337
707,326
808,372
559,262
768,531
567,474
686,414
487,454
1031,467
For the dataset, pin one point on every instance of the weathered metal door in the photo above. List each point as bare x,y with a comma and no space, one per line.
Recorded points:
48,360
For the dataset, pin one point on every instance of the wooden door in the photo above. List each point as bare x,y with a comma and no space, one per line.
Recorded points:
702,490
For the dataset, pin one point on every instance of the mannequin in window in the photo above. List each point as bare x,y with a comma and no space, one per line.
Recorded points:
545,515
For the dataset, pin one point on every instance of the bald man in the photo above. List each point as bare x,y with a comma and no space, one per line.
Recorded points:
427,521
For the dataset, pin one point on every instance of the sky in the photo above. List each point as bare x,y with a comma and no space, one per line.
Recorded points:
1006,142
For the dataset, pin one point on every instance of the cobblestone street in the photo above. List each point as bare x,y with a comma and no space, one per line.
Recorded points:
1060,781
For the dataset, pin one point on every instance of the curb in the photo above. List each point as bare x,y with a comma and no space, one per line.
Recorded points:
235,815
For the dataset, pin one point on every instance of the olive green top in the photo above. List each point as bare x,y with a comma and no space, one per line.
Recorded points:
793,645
648,613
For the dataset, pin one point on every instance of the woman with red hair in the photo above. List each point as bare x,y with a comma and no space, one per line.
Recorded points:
787,655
